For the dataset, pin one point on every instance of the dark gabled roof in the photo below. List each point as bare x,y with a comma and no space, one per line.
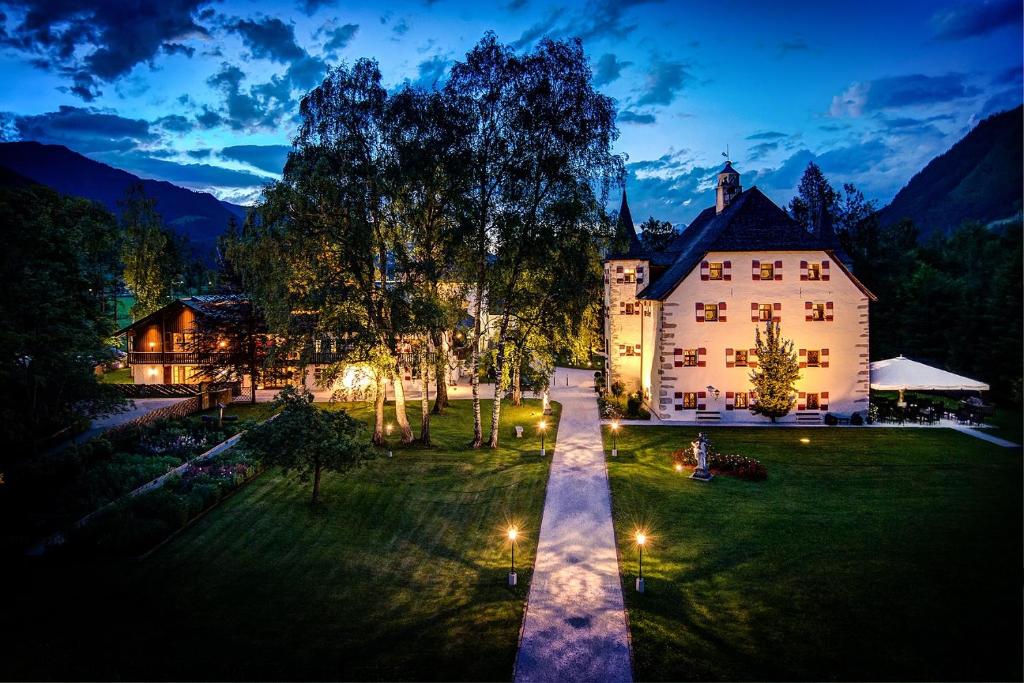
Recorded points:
213,306
625,243
751,222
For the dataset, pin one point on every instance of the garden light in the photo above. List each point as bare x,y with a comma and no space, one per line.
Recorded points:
641,539
615,447
512,534
542,426
805,440
679,467
387,429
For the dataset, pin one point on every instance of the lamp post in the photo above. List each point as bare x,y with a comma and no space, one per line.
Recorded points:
615,445
512,534
542,426
387,429
641,539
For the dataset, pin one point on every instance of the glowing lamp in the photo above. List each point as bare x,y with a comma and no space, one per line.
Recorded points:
805,440
512,534
641,539
615,445
542,425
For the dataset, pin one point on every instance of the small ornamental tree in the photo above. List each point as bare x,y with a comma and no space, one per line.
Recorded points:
308,440
775,378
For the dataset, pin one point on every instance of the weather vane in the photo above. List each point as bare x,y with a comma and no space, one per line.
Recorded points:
726,153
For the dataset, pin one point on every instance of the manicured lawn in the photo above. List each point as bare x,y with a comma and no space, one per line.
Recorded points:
400,575
119,376
868,554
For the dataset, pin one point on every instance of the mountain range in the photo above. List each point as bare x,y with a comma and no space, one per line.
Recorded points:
979,178
199,216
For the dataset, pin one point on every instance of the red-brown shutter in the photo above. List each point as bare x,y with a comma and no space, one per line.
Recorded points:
803,271
730,358
751,355
701,360
829,317
700,312
727,270
777,314
823,358
823,401
721,312
705,270
778,270
677,362
824,271
755,270
753,312
809,306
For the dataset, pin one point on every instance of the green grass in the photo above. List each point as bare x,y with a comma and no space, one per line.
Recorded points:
870,554
399,575
1007,422
119,376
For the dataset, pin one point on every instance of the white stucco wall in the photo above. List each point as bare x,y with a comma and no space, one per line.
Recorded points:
624,330
846,378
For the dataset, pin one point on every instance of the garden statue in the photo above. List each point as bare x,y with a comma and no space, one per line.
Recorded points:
700,454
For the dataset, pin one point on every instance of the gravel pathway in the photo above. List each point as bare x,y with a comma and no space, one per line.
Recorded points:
575,626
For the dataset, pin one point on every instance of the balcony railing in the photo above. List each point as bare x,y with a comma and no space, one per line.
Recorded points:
163,358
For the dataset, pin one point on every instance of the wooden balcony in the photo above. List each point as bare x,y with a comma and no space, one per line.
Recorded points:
163,358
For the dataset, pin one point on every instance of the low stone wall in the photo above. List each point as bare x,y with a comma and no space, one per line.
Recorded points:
182,408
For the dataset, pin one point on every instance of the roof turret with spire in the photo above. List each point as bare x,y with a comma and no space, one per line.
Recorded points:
625,243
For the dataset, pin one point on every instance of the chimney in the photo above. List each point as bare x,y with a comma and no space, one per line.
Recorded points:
728,187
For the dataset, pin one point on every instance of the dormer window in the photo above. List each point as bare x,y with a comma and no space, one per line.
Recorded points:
628,275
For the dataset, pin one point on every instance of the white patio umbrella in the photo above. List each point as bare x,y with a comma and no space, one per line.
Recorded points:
902,374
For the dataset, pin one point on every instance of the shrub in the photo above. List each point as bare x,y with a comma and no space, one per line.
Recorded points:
831,420
635,407
739,466
856,420
618,388
608,408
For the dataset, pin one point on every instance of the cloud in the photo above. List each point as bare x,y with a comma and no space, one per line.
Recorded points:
976,18
83,129
664,81
338,37
761,150
262,105
608,68
431,72
516,5
268,158
175,123
900,91
538,30
269,38
194,176
627,116
795,45
400,27
99,42
178,49
1007,99
1012,76
596,20
310,7
767,135
306,73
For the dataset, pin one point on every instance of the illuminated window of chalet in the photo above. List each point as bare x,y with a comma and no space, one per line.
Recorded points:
767,270
764,312
813,271
741,399
741,358
629,275
710,312
715,271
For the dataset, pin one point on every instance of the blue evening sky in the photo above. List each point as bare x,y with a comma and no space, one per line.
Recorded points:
205,94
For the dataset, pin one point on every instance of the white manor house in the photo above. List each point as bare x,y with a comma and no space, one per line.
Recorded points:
679,323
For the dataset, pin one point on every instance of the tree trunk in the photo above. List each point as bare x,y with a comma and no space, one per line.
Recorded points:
425,399
378,411
478,428
400,417
441,373
316,485
499,371
517,387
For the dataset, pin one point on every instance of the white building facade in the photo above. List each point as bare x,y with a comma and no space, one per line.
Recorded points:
680,323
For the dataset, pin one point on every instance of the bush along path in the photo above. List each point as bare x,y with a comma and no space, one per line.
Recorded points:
575,624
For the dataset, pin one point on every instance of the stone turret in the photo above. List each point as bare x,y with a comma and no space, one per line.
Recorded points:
728,187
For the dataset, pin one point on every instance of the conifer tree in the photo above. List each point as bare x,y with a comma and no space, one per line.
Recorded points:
775,378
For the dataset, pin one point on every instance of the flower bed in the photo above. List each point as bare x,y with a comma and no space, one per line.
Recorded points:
44,494
738,466
137,524
616,407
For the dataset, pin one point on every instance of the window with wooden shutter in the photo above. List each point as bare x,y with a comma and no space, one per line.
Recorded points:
677,358
753,312
677,401
823,402
764,312
729,399
721,312
701,396
829,311
755,270
730,358
702,357
778,270
803,271
752,358
767,270
824,271
705,268
690,358
690,401
802,354
776,312
639,274
813,358
727,270
740,400
741,358
814,271
715,271
711,313
699,311
823,362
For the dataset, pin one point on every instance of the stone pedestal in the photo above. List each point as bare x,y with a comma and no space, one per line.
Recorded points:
639,585
615,452
513,579
702,475
543,452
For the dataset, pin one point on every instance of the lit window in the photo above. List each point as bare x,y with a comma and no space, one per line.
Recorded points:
690,401
812,401
629,275
711,312
715,271
690,358
741,400
764,312
813,358
741,358
767,270
813,271
818,311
